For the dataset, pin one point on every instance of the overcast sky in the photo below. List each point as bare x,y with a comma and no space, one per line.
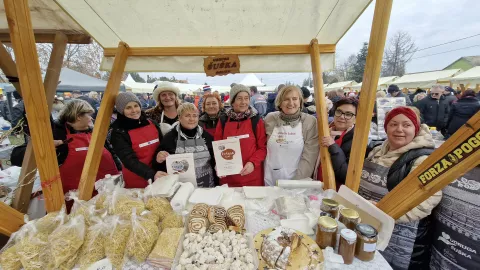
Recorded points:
429,22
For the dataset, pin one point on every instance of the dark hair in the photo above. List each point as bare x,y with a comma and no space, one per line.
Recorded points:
254,89
468,93
346,101
393,88
459,92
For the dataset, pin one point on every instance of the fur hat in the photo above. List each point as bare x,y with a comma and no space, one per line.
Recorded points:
165,87
123,99
237,89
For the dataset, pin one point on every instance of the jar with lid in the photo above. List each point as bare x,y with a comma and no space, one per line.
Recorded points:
366,242
349,217
346,248
330,206
326,232
326,214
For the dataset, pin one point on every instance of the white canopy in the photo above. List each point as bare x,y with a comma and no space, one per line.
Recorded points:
383,82
174,23
251,80
189,88
137,87
129,78
471,76
339,85
426,79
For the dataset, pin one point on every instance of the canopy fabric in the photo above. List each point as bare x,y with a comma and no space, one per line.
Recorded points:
339,85
71,80
251,80
174,23
129,79
189,88
426,79
382,82
137,87
471,76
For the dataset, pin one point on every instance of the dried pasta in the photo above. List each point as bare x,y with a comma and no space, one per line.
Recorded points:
117,240
66,240
144,234
93,248
172,220
9,258
159,206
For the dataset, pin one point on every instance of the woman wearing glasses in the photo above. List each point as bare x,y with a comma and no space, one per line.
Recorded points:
339,142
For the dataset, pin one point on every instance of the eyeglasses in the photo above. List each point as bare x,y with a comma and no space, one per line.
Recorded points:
435,94
347,115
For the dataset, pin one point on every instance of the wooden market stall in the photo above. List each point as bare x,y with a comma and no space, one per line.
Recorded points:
425,80
383,83
467,79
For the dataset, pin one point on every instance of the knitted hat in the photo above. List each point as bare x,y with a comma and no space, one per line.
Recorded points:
123,99
405,111
306,93
393,88
165,87
237,89
207,88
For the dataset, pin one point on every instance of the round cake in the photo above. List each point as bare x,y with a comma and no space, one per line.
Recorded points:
277,247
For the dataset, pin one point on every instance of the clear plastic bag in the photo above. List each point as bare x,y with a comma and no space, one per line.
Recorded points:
288,205
9,257
144,235
33,247
48,223
124,201
116,241
66,240
93,248
160,206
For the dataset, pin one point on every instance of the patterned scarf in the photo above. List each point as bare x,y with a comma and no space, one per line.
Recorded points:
239,116
288,118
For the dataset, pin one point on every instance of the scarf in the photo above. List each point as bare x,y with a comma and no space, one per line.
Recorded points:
288,118
239,116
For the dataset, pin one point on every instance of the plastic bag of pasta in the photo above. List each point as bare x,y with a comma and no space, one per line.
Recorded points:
66,240
32,247
93,248
172,220
160,206
48,223
9,258
118,233
123,202
81,207
144,234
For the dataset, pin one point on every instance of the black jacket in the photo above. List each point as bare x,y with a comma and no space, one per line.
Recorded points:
408,101
94,103
434,112
4,111
122,144
340,156
18,112
460,112
206,122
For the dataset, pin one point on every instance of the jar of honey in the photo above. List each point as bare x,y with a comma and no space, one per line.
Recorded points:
349,217
366,242
326,232
330,206
346,248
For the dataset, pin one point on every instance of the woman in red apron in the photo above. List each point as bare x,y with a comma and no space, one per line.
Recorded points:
339,142
72,135
211,108
134,139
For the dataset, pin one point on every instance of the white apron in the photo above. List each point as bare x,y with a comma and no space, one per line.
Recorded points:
164,127
284,150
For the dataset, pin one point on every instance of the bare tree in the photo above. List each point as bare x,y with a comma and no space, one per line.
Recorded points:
345,68
398,53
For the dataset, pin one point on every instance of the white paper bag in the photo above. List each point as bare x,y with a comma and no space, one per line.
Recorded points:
184,166
228,156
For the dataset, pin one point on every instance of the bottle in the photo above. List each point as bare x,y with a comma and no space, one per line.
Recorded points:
346,248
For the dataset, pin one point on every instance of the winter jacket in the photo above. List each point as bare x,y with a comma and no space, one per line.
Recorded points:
209,124
18,112
310,108
434,112
382,155
407,98
155,114
460,112
145,104
450,99
259,102
122,144
254,149
271,102
4,111
306,165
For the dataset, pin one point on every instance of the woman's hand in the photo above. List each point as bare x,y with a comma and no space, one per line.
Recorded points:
162,156
160,174
248,169
327,141
57,143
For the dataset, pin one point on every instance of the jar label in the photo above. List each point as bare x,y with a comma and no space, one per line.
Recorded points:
369,247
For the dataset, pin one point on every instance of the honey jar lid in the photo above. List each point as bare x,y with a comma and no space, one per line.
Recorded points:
330,202
327,222
366,230
348,234
349,213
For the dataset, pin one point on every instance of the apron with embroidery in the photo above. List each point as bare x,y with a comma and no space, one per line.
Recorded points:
201,156
373,186
284,150
164,127
145,141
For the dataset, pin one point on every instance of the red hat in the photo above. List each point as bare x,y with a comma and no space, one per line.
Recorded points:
405,111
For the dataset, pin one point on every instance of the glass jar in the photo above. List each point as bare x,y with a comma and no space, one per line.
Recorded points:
326,232
346,248
366,242
326,214
349,217
330,206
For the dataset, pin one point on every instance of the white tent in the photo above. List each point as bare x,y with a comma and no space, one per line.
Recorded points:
189,88
471,76
383,82
130,79
339,85
251,80
426,79
137,87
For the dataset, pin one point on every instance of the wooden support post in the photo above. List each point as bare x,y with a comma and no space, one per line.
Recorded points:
462,87
8,66
22,195
328,174
459,154
33,93
10,219
373,66
94,155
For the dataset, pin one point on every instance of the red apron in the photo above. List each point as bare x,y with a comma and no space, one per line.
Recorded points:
339,142
71,169
210,131
145,141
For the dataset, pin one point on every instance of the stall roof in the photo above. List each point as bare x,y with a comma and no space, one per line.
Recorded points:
471,76
137,87
426,79
381,82
71,80
206,23
339,85
251,80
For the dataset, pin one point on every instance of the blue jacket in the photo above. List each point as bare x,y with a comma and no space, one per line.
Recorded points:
259,103
271,102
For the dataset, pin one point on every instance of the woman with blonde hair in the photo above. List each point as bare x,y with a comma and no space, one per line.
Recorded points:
212,107
166,95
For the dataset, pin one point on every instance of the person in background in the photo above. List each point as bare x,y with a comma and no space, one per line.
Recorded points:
408,144
434,109
212,108
449,94
188,137
57,107
4,111
18,111
72,134
258,101
242,121
419,97
206,90
188,98
271,99
418,91
292,145
394,91
462,110
458,94
339,94
308,104
381,94
151,101
165,112
135,140
77,94
340,141
144,101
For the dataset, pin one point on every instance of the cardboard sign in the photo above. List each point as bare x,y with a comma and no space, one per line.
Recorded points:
221,65
228,156
184,166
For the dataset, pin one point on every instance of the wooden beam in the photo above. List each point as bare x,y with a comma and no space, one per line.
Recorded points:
10,219
28,69
371,75
222,50
94,155
447,163
328,175
477,87
21,200
50,38
8,67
